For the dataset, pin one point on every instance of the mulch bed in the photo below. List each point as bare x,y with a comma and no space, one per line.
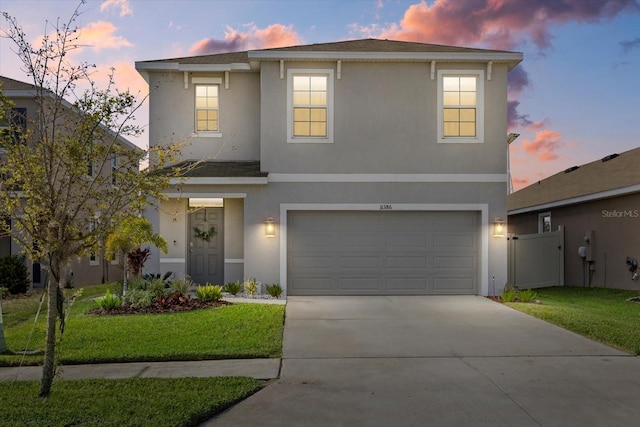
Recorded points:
188,305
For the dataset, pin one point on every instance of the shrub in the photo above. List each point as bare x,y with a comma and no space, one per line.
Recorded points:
274,290
527,295
14,274
181,286
251,287
109,301
509,295
234,288
209,292
140,298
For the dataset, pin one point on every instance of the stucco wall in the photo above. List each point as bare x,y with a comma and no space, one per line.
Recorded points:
385,122
172,112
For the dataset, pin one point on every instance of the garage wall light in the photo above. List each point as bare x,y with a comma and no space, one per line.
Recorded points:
498,227
269,228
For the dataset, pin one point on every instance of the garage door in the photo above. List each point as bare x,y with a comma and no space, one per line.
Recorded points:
382,253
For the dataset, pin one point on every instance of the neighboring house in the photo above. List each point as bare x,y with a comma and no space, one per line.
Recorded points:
90,270
364,167
598,205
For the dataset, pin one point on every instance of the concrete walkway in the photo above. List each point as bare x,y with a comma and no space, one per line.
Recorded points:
262,369
437,361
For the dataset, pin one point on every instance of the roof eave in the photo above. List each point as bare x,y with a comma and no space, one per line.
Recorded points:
511,58
176,66
615,192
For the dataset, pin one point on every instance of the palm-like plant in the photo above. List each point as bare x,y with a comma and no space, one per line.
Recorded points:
132,233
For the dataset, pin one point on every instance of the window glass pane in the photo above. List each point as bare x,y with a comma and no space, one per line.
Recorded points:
201,91
451,115
467,98
301,83
451,98
451,129
451,83
467,115
467,129
301,98
301,114
318,129
212,102
201,125
301,129
318,115
318,83
318,98
201,115
468,84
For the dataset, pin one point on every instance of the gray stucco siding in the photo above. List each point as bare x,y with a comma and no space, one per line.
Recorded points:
385,121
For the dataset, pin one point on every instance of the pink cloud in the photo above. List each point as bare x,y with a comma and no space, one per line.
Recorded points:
275,35
123,5
499,24
100,35
545,145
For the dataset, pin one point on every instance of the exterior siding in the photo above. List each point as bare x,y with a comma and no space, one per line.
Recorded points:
172,116
611,224
385,122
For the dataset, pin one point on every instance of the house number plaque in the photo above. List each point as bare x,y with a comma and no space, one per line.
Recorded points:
386,207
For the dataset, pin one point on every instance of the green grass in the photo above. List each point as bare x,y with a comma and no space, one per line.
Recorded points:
601,314
228,332
128,402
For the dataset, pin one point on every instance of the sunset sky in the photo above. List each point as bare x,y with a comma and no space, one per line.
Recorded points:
574,99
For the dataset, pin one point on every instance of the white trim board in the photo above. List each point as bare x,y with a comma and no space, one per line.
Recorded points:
483,208
385,177
173,261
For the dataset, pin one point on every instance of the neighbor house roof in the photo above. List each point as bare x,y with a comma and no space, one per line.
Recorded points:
613,175
353,50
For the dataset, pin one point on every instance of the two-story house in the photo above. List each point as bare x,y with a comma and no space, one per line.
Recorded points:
363,167
86,270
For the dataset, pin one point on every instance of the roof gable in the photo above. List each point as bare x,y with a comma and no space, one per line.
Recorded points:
357,50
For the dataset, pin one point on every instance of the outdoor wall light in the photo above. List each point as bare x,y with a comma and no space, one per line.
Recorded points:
498,228
270,228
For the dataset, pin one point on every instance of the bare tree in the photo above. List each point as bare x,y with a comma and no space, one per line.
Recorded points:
70,176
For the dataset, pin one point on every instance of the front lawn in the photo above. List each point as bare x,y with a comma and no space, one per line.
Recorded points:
601,314
125,402
228,332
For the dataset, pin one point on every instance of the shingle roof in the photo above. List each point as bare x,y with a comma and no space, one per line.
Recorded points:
221,169
11,84
342,47
377,45
618,172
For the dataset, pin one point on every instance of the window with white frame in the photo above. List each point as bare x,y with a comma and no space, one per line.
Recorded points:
544,222
207,108
461,106
310,106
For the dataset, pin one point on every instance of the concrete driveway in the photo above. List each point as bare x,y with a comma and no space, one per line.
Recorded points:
437,361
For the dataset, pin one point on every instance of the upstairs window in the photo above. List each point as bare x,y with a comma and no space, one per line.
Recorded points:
460,106
207,108
114,170
14,124
310,104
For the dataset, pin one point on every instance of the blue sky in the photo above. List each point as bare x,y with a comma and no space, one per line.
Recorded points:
575,98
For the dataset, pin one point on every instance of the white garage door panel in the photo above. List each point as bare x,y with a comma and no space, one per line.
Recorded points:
382,253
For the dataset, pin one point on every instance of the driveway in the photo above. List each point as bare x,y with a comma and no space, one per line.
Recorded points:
437,361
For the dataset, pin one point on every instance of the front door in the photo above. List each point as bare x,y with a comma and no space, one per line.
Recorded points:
206,246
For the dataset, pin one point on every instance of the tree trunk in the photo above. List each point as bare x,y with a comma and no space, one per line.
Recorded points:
48,368
3,345
53,313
